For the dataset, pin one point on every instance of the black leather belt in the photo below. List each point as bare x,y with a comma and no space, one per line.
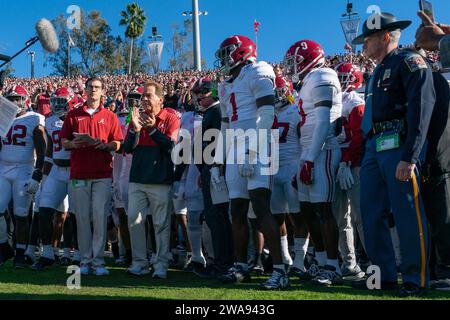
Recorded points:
397,125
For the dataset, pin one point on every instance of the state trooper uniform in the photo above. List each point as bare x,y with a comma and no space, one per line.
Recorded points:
399,102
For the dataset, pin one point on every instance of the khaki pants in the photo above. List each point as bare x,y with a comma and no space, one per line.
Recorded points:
90,198
347,212
154,198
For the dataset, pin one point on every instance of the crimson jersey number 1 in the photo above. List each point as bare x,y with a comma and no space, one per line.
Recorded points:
20,132
234,116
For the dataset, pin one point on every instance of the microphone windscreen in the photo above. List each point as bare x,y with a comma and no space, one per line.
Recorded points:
47,35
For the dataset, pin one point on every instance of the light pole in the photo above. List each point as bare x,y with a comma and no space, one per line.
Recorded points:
32,53
196,33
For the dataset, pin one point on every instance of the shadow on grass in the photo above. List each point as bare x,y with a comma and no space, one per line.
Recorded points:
57,276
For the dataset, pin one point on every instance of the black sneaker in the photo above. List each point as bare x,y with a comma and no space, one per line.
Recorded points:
278,280
353,273
258,269
203,272
410,289
65,261
297,272
309,260
235,275
76,262
328,276
42,263
440,284
6,253
188,264
21,261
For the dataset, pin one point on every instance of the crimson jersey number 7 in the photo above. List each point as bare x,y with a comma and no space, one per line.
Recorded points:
284,133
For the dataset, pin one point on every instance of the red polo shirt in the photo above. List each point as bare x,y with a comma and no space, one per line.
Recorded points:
167,122
88,162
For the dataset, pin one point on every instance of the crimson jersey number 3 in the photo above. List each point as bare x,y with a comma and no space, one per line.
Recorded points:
15,135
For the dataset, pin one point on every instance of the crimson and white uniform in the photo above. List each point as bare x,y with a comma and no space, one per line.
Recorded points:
240,97
320,88
284,197
352,113
121,172
190,196
17,162
54,191
346,207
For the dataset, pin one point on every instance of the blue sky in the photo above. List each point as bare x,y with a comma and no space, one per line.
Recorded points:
283,22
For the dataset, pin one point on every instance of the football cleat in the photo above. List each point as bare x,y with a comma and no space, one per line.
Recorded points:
235,275
301,274
65,261
21,261
42,263
278,280
329,276
6,253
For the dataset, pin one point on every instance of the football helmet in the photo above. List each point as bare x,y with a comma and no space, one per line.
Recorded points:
132,100
350,76
301,58
283,92
200,89
62,101
20,96
234,51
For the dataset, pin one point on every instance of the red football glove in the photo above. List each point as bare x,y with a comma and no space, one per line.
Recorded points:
306,173
294,182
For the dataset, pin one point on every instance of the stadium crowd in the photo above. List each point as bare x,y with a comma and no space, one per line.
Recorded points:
88,167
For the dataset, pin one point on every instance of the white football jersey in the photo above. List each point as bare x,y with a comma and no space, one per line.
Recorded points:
191,122
240,96
288,121
123,125
53,125
350,100
18,145
309,97
122,162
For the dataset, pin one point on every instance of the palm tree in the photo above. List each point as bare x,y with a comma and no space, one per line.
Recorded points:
134,18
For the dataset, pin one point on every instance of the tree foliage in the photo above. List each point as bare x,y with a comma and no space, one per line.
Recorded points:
95,50
180,47
134,19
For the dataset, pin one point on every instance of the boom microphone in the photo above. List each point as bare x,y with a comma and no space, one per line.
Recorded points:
47,35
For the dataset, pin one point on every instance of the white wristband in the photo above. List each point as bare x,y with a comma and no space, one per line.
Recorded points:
48,159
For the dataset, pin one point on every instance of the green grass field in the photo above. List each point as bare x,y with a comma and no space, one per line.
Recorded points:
51,284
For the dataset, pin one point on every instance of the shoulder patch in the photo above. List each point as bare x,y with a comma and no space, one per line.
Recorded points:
415,62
